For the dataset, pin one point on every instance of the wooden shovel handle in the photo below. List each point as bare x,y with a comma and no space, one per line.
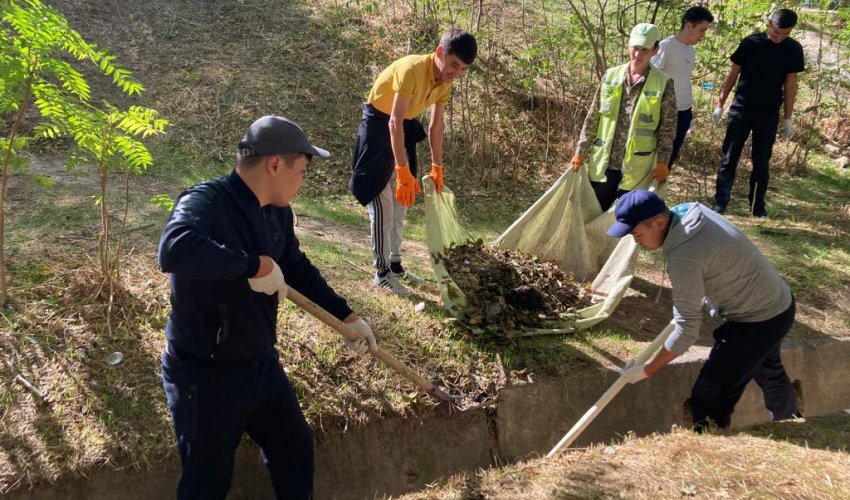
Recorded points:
332,321
612,391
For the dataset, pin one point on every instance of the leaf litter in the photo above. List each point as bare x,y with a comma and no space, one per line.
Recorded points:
508,292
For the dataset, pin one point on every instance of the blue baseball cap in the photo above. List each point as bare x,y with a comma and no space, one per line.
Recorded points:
633,208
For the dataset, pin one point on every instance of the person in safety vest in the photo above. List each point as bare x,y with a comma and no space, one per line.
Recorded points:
227,246
712,264
384,167
629,129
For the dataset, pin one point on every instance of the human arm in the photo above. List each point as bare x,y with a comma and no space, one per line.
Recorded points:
436,130
790,94
188,245
728,83
401,103
662,359
667,124
588,129
406,184
302,275
688,283
633,373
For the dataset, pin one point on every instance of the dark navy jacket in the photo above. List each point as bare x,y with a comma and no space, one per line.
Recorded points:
211,246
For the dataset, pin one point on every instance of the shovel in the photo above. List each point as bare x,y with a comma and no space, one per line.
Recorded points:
332,321
612,391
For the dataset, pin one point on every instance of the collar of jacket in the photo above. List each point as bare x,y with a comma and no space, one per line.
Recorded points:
242,190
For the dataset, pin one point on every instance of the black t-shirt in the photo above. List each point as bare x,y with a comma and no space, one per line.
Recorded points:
764,66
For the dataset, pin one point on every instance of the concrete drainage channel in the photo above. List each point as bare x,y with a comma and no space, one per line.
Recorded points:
396,456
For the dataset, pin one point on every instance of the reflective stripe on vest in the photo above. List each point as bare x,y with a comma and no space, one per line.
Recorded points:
642,136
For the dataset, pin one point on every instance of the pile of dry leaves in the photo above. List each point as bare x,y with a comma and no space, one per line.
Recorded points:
508,292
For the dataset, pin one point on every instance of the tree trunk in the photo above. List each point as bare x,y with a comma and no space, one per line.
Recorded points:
4,178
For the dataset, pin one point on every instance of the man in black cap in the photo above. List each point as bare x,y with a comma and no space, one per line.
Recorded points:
227,246
710,262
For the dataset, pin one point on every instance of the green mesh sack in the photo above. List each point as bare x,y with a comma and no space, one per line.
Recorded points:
565,225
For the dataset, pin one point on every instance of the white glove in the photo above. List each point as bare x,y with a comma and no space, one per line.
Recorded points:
365,339
632,372
716,116
788,129
270,283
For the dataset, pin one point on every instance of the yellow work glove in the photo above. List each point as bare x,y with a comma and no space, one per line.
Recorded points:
577,161
437,175
406,186
661,171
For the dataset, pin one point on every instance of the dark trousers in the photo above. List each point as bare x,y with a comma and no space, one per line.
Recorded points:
373,162
608,191
741,352
763,126
212,406
683,124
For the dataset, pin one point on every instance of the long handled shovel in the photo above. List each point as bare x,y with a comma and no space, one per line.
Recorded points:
402,369
612,391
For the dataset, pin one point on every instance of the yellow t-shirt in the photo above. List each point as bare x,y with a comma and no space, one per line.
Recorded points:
413,77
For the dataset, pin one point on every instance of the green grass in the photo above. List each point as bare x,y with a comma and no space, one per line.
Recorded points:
337,209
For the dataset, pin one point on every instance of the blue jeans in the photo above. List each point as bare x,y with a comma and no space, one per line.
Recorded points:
683,124
213,404
741,352
763,126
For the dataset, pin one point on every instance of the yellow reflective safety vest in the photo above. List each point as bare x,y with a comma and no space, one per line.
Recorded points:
642,137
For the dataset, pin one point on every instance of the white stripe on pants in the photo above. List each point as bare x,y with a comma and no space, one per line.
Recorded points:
386,224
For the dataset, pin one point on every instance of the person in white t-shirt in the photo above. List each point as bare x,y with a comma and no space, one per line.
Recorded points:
676,57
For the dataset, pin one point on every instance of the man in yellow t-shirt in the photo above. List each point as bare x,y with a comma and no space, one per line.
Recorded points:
384,168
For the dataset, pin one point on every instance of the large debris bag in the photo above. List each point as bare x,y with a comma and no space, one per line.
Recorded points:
566,225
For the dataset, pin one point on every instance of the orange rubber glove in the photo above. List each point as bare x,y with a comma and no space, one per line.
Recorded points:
661,171
577,161
437,175
406,186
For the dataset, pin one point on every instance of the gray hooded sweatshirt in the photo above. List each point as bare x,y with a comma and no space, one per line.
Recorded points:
711,263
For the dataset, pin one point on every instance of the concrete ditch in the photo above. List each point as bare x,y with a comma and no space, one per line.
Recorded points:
395,456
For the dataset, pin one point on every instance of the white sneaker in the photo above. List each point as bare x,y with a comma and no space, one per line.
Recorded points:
390,282
409,277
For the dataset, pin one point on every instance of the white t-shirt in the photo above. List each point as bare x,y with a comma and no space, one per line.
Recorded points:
677,60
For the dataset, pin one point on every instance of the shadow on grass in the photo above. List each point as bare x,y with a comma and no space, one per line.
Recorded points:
828,432
95,413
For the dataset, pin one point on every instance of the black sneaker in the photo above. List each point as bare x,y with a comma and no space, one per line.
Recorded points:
719,208
760,213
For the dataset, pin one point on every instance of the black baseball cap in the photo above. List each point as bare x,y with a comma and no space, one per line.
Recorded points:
633,208
272,135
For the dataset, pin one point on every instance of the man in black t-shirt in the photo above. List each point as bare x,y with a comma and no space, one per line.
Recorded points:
765,65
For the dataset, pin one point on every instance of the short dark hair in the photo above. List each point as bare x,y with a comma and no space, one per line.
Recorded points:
696,15
784,18
252,161
460,43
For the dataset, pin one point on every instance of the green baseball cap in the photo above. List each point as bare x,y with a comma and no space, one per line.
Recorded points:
644,35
